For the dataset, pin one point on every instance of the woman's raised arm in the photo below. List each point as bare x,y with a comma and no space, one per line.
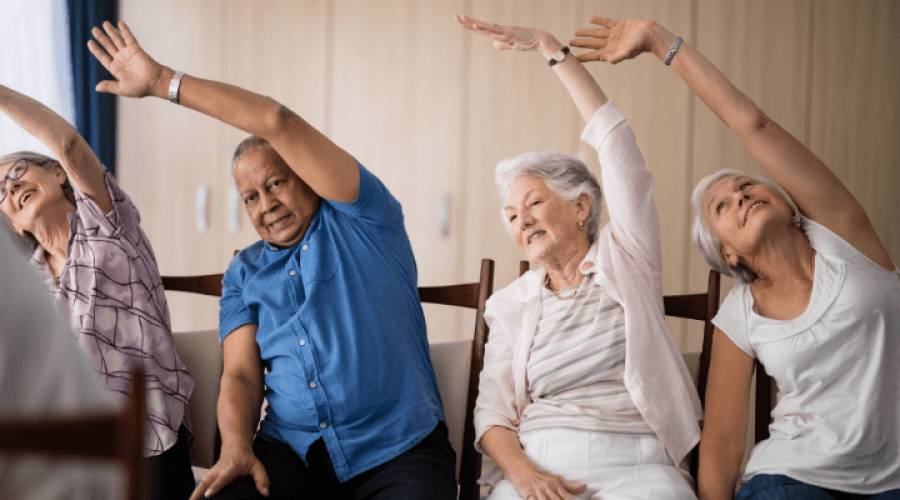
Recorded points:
329,170
581,85
74,154
814,188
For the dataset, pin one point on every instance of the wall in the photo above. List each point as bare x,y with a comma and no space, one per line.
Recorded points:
431,108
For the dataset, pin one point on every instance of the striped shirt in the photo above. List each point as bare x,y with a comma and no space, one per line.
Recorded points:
576,366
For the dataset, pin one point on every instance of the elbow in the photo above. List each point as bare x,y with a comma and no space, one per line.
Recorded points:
69,145
755,123
277,118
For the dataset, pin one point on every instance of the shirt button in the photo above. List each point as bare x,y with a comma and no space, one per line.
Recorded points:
302,342
312,385
305,247
293,273
323,425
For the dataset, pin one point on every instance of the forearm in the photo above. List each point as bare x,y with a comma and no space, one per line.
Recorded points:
723,98
718,468
329,170
39,120
584,90
62,139
239,406
251,112
503,445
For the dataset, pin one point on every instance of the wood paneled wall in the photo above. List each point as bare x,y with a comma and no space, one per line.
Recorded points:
431,108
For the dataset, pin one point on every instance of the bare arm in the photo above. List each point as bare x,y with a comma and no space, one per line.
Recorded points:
240,401
581,85
725,419
329,170
815,189
503,446
75,155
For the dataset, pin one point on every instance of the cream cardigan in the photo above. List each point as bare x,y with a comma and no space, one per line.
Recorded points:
627,261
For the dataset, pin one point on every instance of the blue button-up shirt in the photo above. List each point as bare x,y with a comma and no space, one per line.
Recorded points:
341,332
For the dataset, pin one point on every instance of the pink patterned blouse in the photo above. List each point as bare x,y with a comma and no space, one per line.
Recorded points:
113,295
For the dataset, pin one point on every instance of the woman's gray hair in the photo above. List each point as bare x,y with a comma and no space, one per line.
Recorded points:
45,162
565,175
249,145
708,243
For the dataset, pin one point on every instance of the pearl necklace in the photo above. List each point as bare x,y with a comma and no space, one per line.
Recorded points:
558,296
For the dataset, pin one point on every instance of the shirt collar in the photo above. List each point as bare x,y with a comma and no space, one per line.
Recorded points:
589,263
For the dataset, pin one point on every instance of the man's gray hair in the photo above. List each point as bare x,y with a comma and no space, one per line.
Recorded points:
565,175
28,241
249,145
708,243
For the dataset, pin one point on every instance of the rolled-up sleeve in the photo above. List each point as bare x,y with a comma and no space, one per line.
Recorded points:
233,311
627,186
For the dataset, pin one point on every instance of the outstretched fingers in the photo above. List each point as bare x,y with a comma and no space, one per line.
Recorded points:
105,42
99,52
126,34
114,35
477,26
604,21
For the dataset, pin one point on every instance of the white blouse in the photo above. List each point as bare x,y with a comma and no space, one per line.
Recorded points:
836,423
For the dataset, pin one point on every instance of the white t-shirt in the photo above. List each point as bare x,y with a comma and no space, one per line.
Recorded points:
44,372
836,423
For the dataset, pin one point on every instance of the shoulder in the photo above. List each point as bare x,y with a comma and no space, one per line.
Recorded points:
374,203
827,242
734,316
248,258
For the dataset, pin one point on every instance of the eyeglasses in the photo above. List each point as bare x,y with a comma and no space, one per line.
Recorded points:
15,173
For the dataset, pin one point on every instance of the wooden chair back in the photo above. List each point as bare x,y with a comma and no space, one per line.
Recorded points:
765,401
697,306
467,295
114,437
472,296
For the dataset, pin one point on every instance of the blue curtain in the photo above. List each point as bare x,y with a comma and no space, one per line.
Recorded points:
95,113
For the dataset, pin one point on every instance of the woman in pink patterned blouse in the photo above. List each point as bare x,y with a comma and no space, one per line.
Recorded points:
89,247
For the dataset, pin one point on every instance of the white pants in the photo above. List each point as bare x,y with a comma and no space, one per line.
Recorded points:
613,467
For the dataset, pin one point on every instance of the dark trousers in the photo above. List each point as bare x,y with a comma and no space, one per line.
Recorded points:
168,476
776,486
425,472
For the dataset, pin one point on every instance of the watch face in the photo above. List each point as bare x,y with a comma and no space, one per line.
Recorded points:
559,56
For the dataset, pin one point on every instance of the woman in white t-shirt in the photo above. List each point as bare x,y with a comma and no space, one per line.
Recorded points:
817,302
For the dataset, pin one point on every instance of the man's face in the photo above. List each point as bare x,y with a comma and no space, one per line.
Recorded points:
280,205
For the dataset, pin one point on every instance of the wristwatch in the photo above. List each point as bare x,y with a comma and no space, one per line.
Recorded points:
558,57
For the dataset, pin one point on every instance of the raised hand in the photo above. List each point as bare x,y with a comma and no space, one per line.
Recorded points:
136,73
616,41
505,37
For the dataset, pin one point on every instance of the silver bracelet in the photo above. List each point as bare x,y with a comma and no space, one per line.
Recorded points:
175,86
672,51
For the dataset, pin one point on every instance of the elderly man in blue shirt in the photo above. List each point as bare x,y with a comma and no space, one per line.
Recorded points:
326,302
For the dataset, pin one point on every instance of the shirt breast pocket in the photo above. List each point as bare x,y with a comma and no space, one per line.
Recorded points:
319,258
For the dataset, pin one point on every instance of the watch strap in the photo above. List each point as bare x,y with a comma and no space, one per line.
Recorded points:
553,59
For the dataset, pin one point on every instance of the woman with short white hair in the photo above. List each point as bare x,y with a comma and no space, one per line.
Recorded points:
817,302
583,391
